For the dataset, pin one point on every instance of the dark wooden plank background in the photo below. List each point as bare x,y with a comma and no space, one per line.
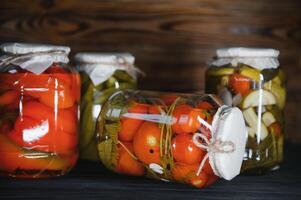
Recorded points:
172,39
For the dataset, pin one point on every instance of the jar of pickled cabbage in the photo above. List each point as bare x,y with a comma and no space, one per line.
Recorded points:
39,103
101,74
185,138
252,80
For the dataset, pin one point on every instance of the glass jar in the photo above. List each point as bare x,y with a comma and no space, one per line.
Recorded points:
184,138
252,80
101,74
39,105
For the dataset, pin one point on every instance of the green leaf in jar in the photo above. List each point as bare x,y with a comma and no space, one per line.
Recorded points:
108,155
100,87
101,96
87,95
112,83
87,127
124,76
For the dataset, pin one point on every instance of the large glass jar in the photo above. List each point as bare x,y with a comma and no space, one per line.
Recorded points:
184,138
39,103
252,80
101,74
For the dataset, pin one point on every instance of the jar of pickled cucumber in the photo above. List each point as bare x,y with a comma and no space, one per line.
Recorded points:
39,103
102,74
252,80
185,138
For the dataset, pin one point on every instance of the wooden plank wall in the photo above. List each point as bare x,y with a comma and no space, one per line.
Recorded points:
172,39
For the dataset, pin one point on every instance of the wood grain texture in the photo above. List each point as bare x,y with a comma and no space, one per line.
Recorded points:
171,39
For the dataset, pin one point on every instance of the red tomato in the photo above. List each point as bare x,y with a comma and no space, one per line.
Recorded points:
185,151
36,110
275,128
8,97
155,109
58,97
130,126
38,135
240,84
39,128
187,119
169,99
205,105
146,143
181,115
64,120
126,163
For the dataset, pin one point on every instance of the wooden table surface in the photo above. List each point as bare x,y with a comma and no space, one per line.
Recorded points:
92,181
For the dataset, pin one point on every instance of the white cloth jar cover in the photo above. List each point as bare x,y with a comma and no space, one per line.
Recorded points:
101,66
254,57
227,145
35,58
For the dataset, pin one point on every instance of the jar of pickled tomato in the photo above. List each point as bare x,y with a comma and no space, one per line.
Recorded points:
185,138
39,104
101,75
252,80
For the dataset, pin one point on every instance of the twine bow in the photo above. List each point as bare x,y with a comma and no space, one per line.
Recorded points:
211,146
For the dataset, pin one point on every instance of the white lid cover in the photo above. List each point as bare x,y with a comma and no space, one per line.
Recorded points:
101,66
35,58
228,126
259,58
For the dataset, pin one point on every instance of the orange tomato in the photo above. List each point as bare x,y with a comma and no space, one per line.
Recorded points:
65,119
39,128
126,163
60,97
182,172
240,84
39,135
205,105
193,123
155,109
181,115
130,126
275,128
169,99
36,110
146,143
185,151
187,119
187,174
8,97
